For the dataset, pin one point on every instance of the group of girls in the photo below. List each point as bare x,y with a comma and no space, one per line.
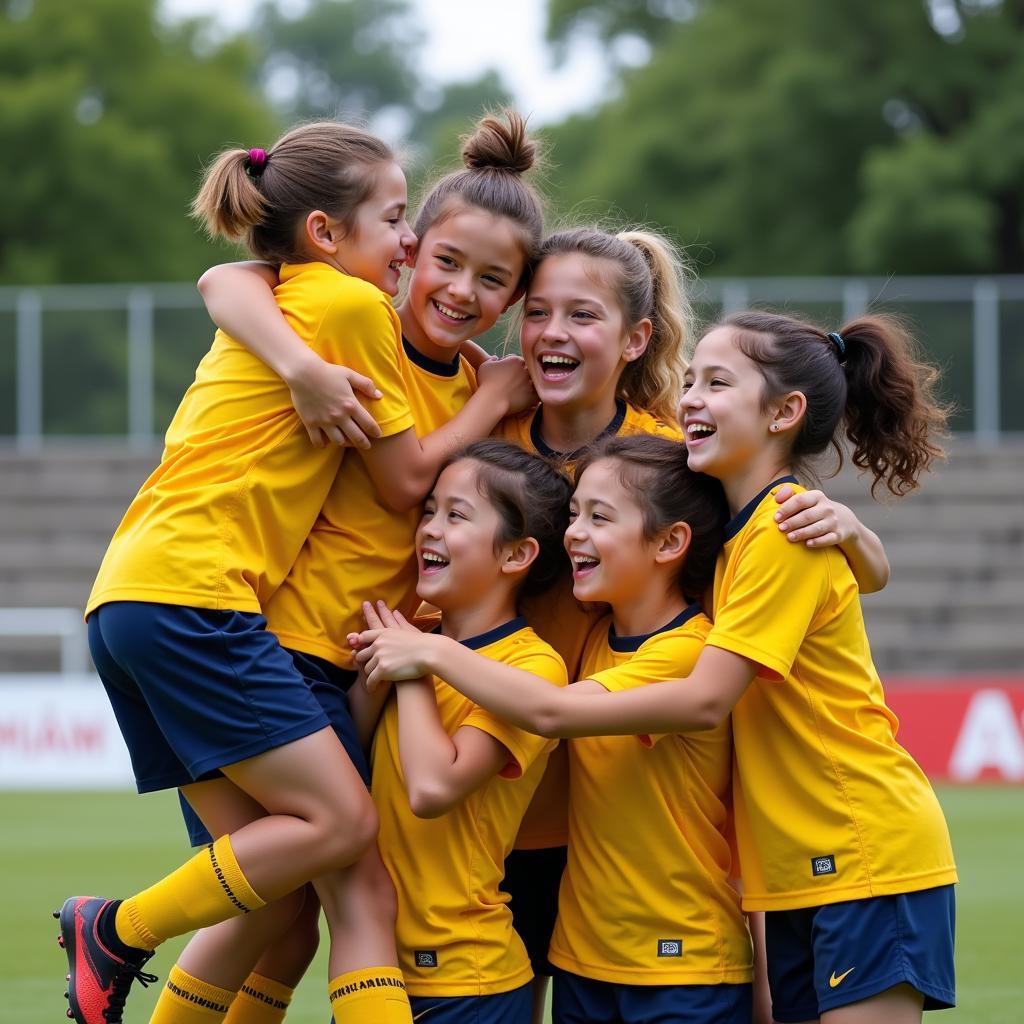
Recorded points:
255,606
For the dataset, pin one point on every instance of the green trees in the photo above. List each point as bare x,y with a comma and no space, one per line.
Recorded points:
798,137
790,137
107,117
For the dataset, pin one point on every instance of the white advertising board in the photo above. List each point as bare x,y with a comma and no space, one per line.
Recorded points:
58,732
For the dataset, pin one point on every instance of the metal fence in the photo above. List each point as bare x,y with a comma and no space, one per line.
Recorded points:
111,361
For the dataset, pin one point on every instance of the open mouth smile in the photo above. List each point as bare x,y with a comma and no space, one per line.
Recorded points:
557,367
432,563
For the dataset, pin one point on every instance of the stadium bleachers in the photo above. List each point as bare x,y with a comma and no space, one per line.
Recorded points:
955,603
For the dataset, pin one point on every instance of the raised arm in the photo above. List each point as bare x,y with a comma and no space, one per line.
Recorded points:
474,354
403,467
240,300
812,518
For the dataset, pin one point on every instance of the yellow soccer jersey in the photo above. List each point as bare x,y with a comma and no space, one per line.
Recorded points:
560,619
220,521
645,898
359,549
454,932
829,807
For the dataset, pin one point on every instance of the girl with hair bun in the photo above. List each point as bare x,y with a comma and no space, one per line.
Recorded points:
842,842
479,230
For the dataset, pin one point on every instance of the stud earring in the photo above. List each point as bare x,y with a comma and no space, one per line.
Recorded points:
775,426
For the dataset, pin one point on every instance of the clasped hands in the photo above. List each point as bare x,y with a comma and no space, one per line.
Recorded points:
390,649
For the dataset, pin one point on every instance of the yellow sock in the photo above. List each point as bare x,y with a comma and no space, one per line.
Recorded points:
260,1001
371,994
187,1000
205,890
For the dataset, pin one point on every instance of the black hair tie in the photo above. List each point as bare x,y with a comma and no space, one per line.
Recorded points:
837,339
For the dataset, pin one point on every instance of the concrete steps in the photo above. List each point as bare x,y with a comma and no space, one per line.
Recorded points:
955,602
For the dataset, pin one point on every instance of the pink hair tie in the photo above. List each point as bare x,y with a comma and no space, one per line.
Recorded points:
257,161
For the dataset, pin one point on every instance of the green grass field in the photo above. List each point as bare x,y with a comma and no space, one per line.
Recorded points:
56,844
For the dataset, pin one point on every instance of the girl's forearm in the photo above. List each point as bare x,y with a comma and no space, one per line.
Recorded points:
868,561
520,698
240,300
701,701
473,422
365,707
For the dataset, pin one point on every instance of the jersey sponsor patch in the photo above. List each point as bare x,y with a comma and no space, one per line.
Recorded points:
670,947
425,957
823,865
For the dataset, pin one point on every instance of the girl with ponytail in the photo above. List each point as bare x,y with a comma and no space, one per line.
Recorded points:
606,321
205,695
478,234
842,842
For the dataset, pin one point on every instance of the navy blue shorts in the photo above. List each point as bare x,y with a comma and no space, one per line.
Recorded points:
579,1000
329,684
532,878
821,958
194,690
515,1007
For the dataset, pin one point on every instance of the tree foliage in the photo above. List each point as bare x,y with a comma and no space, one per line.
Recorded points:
338,58
808,138
107,118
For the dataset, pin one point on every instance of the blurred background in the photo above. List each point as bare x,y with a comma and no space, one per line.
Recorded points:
826,158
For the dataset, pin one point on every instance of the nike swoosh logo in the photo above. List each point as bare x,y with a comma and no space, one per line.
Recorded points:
423,1013
833,981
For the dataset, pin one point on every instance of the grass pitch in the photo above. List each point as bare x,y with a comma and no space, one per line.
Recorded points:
56,844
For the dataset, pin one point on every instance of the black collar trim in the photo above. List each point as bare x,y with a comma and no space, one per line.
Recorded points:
430,365
629,644
543,448
742,517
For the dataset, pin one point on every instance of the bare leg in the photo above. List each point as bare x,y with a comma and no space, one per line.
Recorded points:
901,1004
360,906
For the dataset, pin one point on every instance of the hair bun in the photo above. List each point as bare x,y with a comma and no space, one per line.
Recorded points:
500,141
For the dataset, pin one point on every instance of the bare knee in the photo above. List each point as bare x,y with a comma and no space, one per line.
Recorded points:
346,837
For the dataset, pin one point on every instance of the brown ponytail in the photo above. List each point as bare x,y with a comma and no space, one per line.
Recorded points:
892,413
881,396
497,154
325,166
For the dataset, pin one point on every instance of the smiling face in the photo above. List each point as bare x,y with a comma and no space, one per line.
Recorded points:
467,269
377,246
574,339
723,413
611,557
458,566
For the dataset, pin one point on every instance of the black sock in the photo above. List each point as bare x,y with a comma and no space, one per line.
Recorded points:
107,931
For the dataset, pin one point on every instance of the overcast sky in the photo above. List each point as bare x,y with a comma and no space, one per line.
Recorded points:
513,45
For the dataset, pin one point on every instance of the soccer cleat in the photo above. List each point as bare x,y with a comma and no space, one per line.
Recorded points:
98,980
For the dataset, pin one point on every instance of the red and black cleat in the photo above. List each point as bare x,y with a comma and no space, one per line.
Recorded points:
98,980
